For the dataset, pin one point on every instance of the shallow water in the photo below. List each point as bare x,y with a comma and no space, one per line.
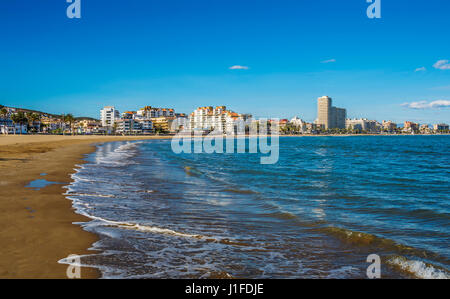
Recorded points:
318,213
39,184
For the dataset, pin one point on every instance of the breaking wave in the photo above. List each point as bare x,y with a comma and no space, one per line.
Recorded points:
418,269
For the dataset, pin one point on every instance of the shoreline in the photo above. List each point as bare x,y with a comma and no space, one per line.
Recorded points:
38,227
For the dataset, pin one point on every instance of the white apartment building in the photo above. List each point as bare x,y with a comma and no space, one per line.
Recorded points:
299,123
152,112
132,123
214,119
128,126
8,127
389,125
109,115
146,125
363,124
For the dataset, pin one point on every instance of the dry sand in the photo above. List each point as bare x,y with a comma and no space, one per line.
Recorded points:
36,226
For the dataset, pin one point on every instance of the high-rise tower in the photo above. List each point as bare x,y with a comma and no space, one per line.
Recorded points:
328,116
324,112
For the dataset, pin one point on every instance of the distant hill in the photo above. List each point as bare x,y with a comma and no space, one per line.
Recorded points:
86,118
47,114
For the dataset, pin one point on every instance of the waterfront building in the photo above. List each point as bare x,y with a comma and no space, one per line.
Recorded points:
324,112
128,126
312,128
338,117
299,124
389,126
50,124
179,123
363,125
7,126
89,126
149,112
441,127
146,125
215,119
330,117
109,115
282,123
162,124
129,115
425,129
410,127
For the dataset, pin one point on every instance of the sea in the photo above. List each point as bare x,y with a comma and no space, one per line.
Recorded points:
319,212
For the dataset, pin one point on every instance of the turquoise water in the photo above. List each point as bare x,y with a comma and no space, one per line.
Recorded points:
319,212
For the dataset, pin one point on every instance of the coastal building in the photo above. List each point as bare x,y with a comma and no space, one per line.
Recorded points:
440,127
109,115
128,126
128,115
299,124
51,124
162,124
148,120
89,127
338,116
146,125
153,112
282,123
363,125
410,127
389,126
312,128
179,123
215,119
425,129
330,117
323,112
7,126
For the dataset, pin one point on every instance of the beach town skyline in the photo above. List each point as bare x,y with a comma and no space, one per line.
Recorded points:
269,59
150,119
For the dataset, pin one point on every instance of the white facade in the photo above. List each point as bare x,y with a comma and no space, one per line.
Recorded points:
109,115
151,112
213,119
134,126
299,123
363,124
146,125
13,129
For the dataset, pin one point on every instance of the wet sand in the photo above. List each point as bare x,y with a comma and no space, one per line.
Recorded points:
36,226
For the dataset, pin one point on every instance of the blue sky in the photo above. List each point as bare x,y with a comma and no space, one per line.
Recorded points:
178,53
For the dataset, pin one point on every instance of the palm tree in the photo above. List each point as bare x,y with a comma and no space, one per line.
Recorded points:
32,118
70,119
114,128
3,112
19,118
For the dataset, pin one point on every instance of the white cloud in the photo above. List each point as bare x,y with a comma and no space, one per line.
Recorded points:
427,105
329,61
421,69
239,67
442,65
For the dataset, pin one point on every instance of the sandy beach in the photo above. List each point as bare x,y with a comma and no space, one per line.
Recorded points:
36,226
